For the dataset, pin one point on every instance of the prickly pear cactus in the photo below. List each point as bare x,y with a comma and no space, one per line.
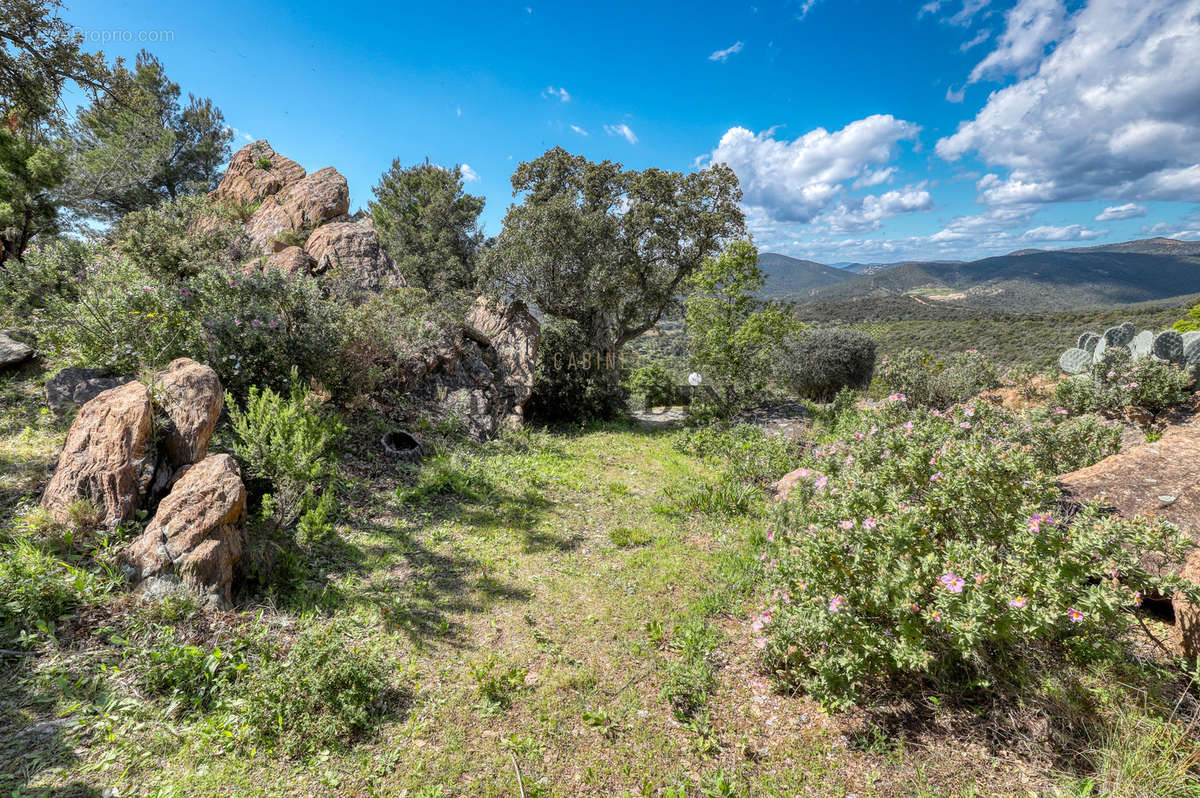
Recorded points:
1088,342
1191,353
1188,337
1119,336
1129,329
1141,344
1098,351
1075,361
1169,346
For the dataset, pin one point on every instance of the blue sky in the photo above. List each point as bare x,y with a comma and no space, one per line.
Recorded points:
871,130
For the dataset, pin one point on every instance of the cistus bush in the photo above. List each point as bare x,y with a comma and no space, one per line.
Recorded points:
929,382
1117,382
924,551
818,364
652,386
570,379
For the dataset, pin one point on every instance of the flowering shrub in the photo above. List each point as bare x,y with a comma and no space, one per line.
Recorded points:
925,547
1117,382
928,382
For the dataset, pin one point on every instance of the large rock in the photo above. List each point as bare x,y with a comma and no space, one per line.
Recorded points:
302,206
13,352
197,535
1153,480
290,260
190,395
246,180
73,387
108,456
513,334
355,249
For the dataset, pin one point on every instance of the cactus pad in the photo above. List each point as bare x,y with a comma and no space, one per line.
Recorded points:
1118,336
1169,346
1088,342
1075,361
1141,344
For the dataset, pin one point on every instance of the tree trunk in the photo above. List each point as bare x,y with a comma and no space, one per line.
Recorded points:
607,348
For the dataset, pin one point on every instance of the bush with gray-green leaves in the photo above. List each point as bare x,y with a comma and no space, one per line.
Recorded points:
1124,368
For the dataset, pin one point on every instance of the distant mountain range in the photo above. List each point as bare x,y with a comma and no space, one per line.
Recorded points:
1031,279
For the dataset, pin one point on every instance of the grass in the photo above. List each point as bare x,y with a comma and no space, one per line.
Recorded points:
563,612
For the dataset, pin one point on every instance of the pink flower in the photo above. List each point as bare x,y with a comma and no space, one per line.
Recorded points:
936,477
846,525
937,616
1075,615
869,524
965,425
979,578
771,535
1036,522
915,607
897,397
760,642
1018,603
836,603
952,582
1060,411
1137,598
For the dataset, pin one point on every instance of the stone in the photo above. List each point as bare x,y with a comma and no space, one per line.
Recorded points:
13,352
246,181
512,334
300,207
197,535
290,260
1139,481
355,250
108,456
787,483
73,387
191,396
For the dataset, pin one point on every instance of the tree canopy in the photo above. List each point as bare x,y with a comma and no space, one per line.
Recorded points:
429,225
609,247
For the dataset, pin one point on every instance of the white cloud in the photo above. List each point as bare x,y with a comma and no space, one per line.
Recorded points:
977,40
469,174
863,214
1113,112
579,130
805,7
560,93
977,227
962,17
1182,230
622,130
1071,232
875,177
1130,210
796,180
953,96
723,55
1030,25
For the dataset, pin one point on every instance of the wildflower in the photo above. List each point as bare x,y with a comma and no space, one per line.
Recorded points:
908,427
847,525
1018,603
965,425
1060,411
937,616
770,535
1036,522
936,477
836,603
979,578
1075,615
897,397
822,482
760,642
970,411
1137,598
915,607
952,582
869,524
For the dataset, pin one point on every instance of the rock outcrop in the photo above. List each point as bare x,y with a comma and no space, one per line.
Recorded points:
354,249
290,260
512,334
74,387
190,396
1153,480
256,172
197,535
12,351
302,206
108,457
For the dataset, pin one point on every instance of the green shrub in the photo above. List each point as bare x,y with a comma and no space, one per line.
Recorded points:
748,453
49,270
36,589
922,552
817,364
652,386
927,382
286,441
569,381
1117,382
194,679
691,676
326,691
1190,322
165,240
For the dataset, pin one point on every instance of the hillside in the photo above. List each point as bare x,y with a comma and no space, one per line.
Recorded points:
1139,271
788,276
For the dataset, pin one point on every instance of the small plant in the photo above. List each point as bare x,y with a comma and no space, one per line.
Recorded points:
624,537
599,720
497,685
36,589
691,677
193,678
262,163
652,386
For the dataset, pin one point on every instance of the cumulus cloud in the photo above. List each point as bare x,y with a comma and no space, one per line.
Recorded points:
975,228
469,174
579,130
723,55
1113,111
1070,232
862,214
1030,26
796,180
622,130
559,93
1130,210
